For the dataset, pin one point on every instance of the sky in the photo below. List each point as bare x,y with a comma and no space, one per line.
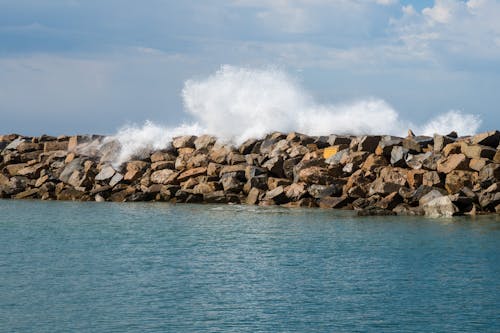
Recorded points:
92,66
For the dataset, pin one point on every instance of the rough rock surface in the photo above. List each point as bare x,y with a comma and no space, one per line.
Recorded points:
443,175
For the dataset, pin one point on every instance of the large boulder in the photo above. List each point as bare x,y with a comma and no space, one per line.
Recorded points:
453,162
491,139
440,207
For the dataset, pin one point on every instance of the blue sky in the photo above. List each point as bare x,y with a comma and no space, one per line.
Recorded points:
91,66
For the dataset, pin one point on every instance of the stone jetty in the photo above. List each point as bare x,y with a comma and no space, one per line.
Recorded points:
443,175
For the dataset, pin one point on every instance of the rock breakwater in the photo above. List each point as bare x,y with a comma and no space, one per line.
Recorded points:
443,175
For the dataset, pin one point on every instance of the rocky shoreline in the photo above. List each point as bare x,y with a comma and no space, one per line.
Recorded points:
443,175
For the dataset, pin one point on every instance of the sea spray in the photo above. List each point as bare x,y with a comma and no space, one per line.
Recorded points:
238,103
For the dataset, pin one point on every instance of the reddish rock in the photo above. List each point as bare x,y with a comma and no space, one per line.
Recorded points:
192,173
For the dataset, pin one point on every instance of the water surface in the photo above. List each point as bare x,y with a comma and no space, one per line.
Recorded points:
133,267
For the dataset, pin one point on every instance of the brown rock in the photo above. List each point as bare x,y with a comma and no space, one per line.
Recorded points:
106,173
13,169
296,191
478,151
491,139
417,144
390,201
275,167
204,142
314,175
452,148
432,178
272,182
27,193
32,171
490,172
373,162
25,147
302,203
453,162
386,144
40,181
55,145
277,195
333,202
165,177
186,141
231,182
320,191
416,178
253,196
247,146
192,173
383,188
477,164
369,143
457,179
440,141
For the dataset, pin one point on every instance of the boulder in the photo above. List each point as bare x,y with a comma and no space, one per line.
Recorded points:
253,196
76,164
432,178
440,141
477,164
457,179
373,162
275,167
320,191
204,142
277,195
386,144
314,175
296,191
383,188
195,172
453,162
375,211
418,143
491,139
369,143
185,141
440,207
106,173
398,156
13,169
452,148
429,196
231,182
165,177
333,202
477,151
247,146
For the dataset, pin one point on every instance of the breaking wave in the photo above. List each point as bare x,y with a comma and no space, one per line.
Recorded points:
238,103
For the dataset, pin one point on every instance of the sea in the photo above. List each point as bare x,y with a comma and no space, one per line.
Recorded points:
159,267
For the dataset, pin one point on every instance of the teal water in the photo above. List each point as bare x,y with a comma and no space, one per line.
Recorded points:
104,267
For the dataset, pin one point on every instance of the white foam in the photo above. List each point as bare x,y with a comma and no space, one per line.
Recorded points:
237,103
